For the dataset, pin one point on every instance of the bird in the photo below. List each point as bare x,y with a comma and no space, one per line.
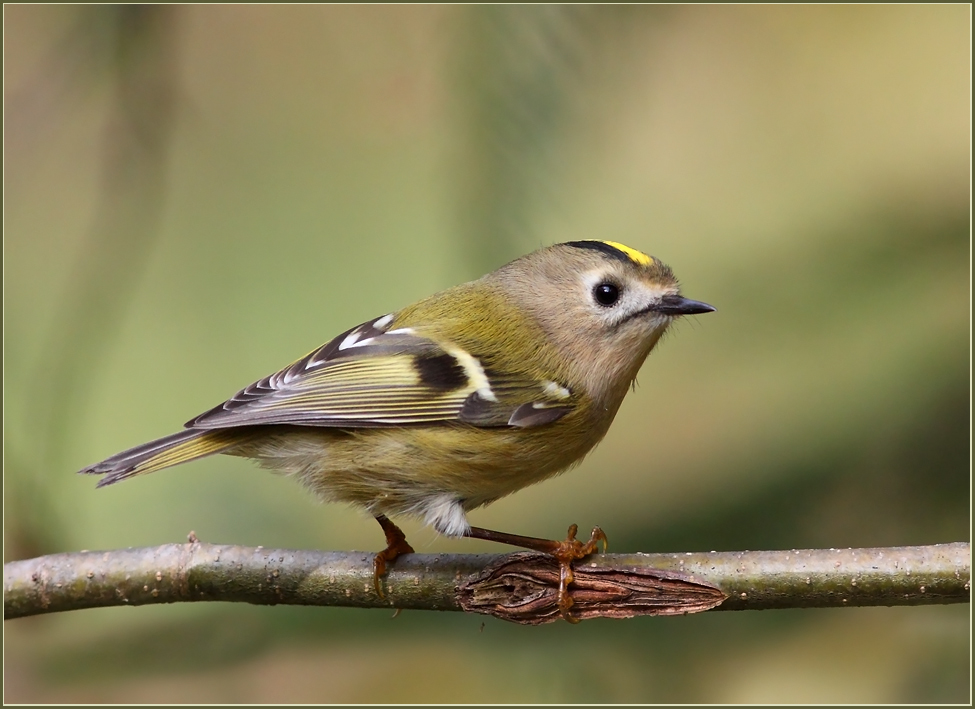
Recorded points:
453,402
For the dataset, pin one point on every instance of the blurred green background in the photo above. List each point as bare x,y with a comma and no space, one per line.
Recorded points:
197,195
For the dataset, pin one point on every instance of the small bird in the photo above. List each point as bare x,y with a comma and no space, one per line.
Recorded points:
455,401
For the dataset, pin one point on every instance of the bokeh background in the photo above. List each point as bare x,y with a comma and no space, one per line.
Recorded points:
197,195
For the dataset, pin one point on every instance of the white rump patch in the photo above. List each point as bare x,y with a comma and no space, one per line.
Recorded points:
445,514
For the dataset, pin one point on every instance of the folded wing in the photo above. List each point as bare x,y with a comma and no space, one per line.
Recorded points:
372,376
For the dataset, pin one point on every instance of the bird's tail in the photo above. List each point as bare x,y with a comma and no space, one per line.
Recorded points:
162,453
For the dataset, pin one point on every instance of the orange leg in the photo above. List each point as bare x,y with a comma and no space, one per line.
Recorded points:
396,544
565,552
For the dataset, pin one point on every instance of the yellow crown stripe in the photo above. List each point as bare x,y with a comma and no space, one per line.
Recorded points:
635,256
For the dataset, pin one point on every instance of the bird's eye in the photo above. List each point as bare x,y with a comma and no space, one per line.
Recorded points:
606,294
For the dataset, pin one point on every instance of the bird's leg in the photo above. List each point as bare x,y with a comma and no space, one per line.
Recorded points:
565,552
396,544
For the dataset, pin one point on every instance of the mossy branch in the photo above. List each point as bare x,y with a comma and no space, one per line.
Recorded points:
521,587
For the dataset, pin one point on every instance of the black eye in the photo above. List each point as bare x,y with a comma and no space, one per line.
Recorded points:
606,294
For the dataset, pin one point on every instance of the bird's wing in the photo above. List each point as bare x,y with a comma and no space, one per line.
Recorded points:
372,376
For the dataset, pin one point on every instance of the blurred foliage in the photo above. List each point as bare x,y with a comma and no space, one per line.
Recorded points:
518,76
197,195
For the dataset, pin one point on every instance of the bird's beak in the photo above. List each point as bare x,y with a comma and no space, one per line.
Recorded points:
679,305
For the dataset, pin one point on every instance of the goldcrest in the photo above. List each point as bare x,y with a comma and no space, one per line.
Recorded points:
453,402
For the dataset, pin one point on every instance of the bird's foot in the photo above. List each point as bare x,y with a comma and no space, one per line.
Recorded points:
569,550
565,552
396,545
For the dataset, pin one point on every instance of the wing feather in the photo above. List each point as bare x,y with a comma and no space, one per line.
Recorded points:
372,376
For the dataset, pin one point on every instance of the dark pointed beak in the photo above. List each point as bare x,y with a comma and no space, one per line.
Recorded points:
679,305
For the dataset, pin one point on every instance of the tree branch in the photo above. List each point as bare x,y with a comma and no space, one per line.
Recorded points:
521,587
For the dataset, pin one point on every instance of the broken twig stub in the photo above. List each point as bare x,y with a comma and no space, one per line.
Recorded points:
524,588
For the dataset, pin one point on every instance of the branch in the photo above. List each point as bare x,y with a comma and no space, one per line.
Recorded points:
521,587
